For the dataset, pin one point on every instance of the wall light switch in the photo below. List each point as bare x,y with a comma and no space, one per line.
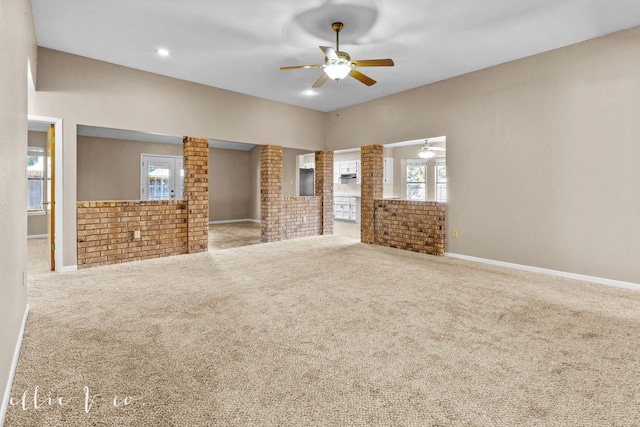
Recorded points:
454,233
136,234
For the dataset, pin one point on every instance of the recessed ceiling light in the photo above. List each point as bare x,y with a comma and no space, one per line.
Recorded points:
310,92
162,52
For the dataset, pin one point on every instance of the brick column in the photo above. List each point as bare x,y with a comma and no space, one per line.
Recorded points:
270,193
324,188
372,179
196,193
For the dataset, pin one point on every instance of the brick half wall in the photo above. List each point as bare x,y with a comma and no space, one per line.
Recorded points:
410,225
106,231
284,218
301,217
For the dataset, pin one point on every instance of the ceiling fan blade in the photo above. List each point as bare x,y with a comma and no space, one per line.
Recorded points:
295,67
372,63
362,78
330,52
321,80
438,149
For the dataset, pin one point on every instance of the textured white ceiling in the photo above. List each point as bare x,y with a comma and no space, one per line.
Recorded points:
239,45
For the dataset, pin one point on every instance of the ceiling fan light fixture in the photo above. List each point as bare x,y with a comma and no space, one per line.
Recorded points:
426,153
337,71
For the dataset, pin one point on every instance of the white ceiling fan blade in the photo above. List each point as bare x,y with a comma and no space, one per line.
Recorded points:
330,52
321,80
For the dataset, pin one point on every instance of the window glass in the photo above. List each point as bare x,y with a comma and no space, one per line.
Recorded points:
35,179
416,180
441,181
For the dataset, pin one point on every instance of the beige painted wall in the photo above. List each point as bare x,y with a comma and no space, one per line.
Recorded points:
541,155
229,184
84,91
17,44
109,169
255,183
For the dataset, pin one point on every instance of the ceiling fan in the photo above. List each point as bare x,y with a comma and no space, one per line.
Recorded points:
427,151
339,64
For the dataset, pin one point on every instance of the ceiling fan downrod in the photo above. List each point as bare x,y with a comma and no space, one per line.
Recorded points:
337,26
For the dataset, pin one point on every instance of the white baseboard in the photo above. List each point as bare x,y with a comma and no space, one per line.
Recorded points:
227,221
69,268
584,278
37,236
14,365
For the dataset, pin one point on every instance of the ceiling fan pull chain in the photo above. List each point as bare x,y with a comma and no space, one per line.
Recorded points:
337,96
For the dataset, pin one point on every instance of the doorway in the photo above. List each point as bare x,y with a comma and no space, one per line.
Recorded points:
44,160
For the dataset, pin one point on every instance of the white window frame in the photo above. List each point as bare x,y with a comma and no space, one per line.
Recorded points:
33,151
440,186
416,162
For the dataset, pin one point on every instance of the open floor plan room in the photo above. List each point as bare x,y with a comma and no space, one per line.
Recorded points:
323,212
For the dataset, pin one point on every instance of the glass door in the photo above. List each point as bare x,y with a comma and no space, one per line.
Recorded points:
161,177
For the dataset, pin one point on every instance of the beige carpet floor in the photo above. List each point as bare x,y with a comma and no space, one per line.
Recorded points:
221,236
38,256
325,331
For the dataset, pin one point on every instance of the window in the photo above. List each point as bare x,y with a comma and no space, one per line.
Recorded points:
441,180
416,179
35,179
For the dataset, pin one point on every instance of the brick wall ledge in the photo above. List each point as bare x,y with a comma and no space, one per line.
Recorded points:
418,226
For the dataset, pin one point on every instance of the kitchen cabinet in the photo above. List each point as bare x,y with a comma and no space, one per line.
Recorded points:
346,208
350,167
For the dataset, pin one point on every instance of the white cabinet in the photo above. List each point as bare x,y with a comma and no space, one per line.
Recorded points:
349,167
346,208
388,170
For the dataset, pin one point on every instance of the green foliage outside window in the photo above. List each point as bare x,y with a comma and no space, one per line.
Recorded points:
416,173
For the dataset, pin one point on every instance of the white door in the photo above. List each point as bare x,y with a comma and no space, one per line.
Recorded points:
161,177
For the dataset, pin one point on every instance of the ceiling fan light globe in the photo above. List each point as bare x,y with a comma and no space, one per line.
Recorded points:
337,71
426,154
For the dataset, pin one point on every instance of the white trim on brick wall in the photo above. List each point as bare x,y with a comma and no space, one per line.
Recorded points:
599,280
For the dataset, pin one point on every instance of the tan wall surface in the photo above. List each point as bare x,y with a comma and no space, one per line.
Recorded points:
541,155
17,44
255,183
229,184
109,169
89,92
